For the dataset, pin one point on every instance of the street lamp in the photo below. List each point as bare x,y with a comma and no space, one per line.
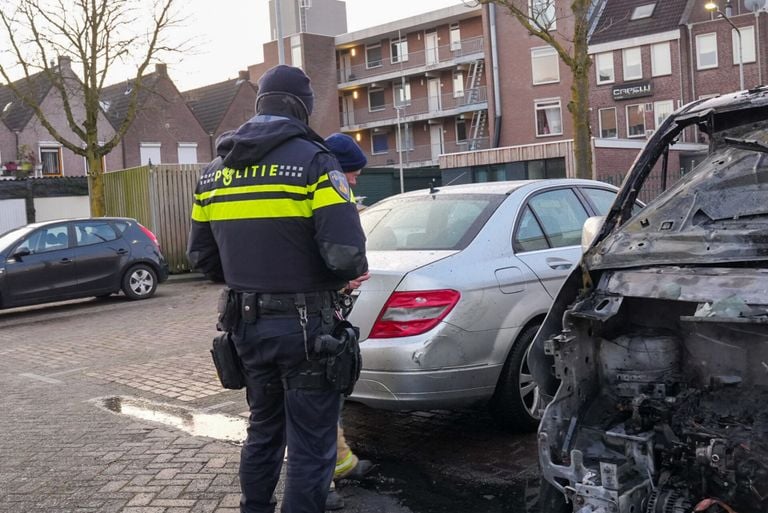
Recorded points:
712,6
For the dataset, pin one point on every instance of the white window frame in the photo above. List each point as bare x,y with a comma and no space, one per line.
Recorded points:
186,146
608,58
641,107
406,134
370,106
397,86
699,39
659,107
402,49
661,59
549,10
461,121
643,11
50,147
747,44
458,84
544,104
150,146
615,122
381,58
624,53
544,54
374,136
454,33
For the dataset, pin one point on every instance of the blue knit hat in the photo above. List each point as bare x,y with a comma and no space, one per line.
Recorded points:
283,79
349,154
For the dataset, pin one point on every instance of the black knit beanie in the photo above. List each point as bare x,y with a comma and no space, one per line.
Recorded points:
284,79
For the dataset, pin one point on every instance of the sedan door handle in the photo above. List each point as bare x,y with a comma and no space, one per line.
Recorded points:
122,251
559,264
66,261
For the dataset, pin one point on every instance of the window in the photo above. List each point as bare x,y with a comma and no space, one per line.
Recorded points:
399,50
149,153
373,55
455,37
636,120
402,94
46,239
633,64
93,232
600,198
296,59
608,128
561,215
379,143
461,130
604,68
187,153
661,62
642,11
545,65
706,51
662,110
530,236
406,136
747,44
375,99
542,12
458,84
548,117
50,158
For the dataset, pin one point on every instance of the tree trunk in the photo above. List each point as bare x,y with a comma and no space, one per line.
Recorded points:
96,179
582,133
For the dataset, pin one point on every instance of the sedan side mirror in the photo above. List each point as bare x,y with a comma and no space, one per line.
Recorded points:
20,253
590,230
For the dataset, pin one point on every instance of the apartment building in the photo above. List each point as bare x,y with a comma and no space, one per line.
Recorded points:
652,57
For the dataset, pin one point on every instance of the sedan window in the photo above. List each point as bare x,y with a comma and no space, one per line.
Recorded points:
46,239
601,199
561,215
529,236
427,223
94,233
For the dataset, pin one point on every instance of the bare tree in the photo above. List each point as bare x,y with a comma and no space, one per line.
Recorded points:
95,36
539,18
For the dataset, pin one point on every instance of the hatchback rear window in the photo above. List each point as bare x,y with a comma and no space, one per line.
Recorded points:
448,222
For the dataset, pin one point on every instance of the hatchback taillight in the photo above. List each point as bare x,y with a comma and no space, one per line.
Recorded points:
412,313
149,234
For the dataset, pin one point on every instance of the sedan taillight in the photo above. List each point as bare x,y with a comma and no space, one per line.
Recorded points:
412,313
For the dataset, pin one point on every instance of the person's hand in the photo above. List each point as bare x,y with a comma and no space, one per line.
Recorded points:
355,284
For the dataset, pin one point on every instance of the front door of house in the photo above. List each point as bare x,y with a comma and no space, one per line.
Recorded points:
436,140
430,48
433,94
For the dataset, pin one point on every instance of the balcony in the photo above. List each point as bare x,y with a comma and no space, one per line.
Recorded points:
417,109
425,155
414,63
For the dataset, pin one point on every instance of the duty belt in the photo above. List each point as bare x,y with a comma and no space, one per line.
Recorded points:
254,305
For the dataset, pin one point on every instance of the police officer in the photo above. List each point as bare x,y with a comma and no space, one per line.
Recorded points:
272,217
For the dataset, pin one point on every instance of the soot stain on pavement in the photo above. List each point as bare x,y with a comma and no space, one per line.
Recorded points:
424,493
212,425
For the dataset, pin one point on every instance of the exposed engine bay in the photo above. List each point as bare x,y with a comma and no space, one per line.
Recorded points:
663,406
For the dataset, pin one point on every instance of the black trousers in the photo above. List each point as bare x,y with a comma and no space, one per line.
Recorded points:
304,420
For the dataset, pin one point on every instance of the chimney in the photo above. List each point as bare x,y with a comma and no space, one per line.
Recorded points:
65,62
161,69
243,75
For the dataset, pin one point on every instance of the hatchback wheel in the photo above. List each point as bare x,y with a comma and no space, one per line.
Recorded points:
140,282
516,402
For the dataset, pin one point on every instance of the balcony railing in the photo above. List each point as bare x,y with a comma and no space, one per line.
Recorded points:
428,106
424,154
440,56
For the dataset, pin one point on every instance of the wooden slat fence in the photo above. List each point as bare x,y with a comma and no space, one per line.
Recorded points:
160,198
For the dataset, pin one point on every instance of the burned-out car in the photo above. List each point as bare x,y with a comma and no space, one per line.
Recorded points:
656,348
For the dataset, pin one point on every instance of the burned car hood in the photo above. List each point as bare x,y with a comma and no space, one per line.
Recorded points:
717,213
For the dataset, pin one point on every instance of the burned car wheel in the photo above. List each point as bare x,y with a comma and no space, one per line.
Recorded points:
515,403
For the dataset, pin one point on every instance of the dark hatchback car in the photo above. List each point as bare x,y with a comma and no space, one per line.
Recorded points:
659,337
76,258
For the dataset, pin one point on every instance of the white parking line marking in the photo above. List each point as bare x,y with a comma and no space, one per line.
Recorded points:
45,379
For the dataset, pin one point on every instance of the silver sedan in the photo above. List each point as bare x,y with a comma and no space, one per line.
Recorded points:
461,278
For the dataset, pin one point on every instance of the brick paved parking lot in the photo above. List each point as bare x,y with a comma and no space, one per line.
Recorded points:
65,446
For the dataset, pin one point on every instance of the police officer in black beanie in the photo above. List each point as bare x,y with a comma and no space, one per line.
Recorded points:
272,218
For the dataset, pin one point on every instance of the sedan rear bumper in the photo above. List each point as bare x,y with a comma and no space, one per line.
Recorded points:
419,390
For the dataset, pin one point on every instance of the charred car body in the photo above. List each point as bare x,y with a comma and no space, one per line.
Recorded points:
660,336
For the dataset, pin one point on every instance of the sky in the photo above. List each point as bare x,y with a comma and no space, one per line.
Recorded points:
232,37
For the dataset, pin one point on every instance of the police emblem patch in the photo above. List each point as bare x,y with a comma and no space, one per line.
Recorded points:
339,184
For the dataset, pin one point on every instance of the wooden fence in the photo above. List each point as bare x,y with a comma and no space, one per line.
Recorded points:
160,198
